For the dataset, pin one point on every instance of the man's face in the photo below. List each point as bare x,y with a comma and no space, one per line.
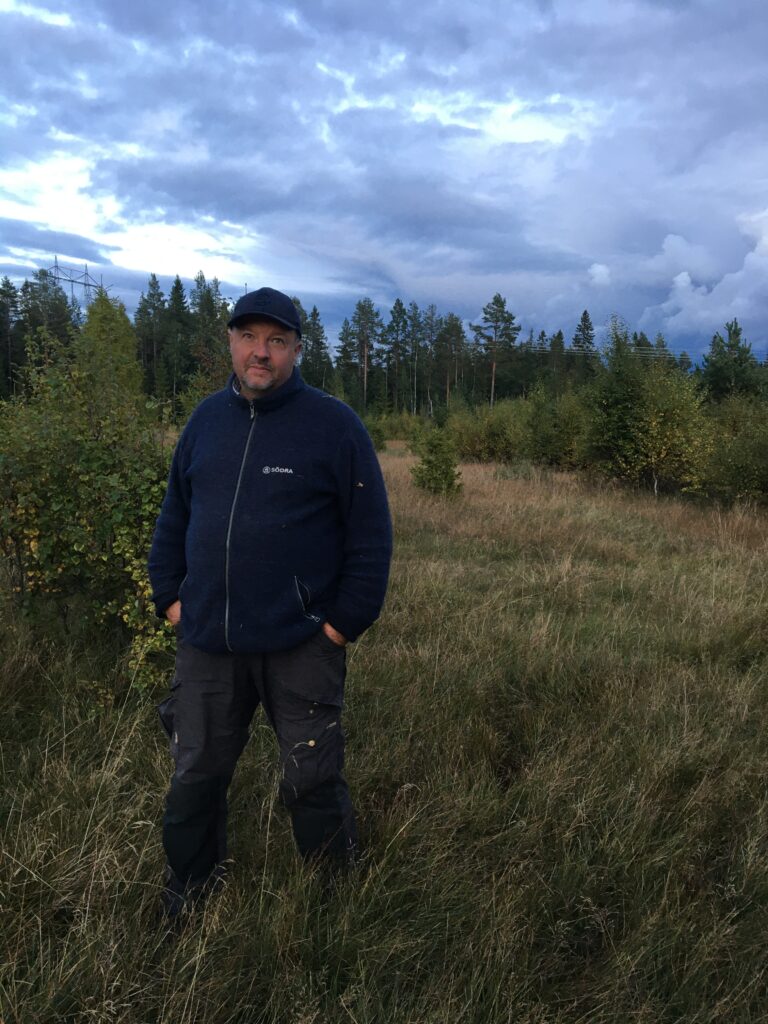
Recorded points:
263,355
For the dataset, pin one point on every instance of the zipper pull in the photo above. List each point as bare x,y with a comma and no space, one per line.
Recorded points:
253,410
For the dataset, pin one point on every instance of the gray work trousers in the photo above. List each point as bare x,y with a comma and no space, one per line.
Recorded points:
213,699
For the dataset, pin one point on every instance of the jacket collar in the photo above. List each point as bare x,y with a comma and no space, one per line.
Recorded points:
272,399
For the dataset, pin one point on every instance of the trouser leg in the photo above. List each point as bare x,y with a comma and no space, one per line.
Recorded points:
214,701
194,828
303,692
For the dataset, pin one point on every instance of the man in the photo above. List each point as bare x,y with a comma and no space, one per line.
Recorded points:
271,552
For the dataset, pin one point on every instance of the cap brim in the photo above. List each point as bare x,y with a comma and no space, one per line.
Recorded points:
262,316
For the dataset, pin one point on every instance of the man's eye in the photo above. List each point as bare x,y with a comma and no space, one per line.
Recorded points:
277,342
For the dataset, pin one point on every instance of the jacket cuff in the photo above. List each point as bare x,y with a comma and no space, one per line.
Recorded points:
162,602
350,626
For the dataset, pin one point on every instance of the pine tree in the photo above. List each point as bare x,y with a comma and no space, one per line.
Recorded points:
495,336
449,349
394,344
423,343
367,328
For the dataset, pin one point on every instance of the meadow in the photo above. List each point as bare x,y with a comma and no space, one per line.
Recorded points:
558,747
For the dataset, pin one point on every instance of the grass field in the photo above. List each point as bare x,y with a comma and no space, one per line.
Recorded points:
557,742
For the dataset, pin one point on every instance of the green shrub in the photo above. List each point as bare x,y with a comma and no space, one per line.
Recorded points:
497,434
82,474
437,470
572,418
646,422
738,464
397,426
377,434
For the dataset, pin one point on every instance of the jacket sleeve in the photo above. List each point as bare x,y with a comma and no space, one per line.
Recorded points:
367,535
167,558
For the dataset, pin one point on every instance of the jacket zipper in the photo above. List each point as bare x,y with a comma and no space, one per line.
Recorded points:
254,414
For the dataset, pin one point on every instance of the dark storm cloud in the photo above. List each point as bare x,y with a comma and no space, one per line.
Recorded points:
296,123
21,234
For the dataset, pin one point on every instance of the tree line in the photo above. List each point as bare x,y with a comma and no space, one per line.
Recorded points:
629,408
413,360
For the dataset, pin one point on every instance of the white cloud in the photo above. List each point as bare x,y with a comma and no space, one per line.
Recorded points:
15,113
741,293
58,194
510,120
58,18
678,255
600,275
353,100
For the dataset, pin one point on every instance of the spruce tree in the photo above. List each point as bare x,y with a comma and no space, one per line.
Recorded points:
11,349
43,303
583,355
107,351
347,367
617,405
177,362
316,366
149,322
729,367
584,336
556,362
208,316
302,313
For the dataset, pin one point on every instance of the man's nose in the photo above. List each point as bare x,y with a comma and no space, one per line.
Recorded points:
260,348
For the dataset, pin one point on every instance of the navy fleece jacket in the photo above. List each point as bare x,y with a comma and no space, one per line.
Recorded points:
275,520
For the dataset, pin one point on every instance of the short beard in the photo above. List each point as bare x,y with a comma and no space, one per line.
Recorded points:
262,385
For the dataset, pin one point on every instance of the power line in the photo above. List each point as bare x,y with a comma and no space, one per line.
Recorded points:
73,277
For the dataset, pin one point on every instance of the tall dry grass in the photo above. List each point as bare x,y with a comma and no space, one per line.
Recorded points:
557,743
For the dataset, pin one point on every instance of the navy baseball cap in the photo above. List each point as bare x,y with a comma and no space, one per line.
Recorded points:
267,302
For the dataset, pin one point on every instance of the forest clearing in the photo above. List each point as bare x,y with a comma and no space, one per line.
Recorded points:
557,742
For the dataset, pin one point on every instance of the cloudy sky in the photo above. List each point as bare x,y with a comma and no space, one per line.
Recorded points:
607,154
